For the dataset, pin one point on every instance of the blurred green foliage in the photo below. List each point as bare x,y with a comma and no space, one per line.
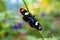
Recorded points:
2,6
49,30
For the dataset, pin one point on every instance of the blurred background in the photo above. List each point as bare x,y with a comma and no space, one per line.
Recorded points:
13,27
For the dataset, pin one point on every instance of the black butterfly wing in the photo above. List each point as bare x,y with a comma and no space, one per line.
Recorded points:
33,23
30,19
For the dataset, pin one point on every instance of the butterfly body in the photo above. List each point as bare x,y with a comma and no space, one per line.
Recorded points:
28,17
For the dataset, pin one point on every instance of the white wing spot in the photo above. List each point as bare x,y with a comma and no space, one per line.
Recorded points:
36,23
26,13
22,10
39,27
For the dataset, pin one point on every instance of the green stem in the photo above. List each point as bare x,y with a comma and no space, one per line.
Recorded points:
28,10
41,36
26,5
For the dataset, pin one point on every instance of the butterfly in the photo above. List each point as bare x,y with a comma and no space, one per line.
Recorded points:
28,17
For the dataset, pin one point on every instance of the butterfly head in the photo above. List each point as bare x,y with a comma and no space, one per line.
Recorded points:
38,26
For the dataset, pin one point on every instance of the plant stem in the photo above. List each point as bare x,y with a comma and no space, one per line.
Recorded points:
41,36
26,5
28,11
